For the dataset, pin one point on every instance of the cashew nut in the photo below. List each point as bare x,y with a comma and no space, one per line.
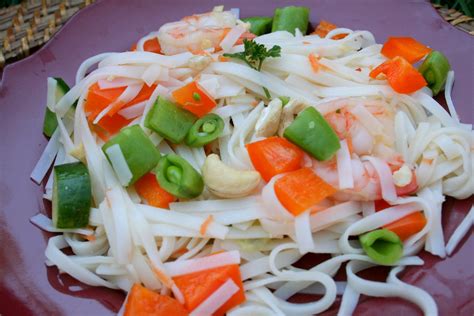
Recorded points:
402,176
289,112
227,182
267,124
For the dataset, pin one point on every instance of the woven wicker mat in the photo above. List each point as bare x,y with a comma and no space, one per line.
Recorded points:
26,27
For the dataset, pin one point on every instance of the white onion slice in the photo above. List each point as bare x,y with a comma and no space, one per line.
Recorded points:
47,158
133,111
231,38
46,224
304,238
116,83
200,264
344,167
217,299
119,164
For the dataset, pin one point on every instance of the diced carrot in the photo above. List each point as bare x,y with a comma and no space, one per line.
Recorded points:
198,286
194,98
401,75
274,155
299,190
408,225
222,58
143,302
150,190
98,99
405,47
324,27
152,45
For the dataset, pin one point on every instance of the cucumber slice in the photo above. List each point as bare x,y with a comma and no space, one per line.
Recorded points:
71,195
50,123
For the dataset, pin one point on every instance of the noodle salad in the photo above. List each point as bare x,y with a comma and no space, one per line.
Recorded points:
193,171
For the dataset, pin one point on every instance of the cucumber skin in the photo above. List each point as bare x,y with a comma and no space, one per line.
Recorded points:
71,195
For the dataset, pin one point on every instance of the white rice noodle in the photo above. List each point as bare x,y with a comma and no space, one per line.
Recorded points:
193,251
216,205
154,214
330,267
186,153
334,214
127,95
304,238
182,267
261,266
305,308
118,209
374,221
273,208
46,224
344,167
146,58
460,232
51,93
384,173
393,288
46,158
86,64
350,298
233,216
253,232
155,73
119,164
435,108
435,237
219,86
64,263
370,122
448,88
133,111
231,37
105,84
368,208
217,299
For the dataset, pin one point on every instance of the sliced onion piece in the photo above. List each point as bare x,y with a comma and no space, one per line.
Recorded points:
119,164
231,38
133,111
128,95
116,83
46,224
217,299
460,232
47,158
344,167
200,264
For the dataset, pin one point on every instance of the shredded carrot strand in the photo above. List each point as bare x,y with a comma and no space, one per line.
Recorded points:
206,224
313,60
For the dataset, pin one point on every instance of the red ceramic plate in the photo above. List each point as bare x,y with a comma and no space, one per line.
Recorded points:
28,287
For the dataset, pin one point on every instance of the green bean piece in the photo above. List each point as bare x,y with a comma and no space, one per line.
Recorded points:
205,130
382,245
312,133
290,18
178,177
435,70
259,25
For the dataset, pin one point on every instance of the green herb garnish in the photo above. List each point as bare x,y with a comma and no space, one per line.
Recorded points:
254,54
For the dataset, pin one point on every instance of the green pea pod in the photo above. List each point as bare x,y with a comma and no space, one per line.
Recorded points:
169,120
138,150
435,70
259,25
382,245
312,133
205,130
178,177
290,18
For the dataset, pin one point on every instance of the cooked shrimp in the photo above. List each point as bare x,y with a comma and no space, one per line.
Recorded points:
196,32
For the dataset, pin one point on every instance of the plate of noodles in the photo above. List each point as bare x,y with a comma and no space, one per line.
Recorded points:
189,158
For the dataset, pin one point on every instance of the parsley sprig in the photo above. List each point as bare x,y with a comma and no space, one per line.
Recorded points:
254,54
